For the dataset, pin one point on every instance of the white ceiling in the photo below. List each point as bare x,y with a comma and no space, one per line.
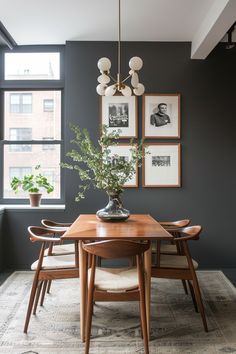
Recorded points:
58,21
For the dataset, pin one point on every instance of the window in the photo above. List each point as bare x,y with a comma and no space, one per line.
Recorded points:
27,141
20,103
20,134
48,146
19,172
32,66
48,105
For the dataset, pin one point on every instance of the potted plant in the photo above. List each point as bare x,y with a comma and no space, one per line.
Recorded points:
96,168
33,184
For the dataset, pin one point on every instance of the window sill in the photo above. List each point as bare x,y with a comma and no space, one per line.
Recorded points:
23,207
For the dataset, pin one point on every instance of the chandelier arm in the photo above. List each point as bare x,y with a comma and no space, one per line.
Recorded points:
126,78
111,77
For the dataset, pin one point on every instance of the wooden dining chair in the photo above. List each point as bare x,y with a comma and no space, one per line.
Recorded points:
55,249
182,266
123,284
170,247
48,267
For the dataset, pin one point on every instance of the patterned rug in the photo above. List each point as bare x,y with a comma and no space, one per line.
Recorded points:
176,327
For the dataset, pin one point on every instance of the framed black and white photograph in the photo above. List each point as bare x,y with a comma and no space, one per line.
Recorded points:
120,112
162,165
161,116
123,150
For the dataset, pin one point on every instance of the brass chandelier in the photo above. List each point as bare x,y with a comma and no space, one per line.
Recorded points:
119,85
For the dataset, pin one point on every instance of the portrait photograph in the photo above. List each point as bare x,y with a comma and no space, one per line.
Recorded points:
119,112
161,165
123,151
161,116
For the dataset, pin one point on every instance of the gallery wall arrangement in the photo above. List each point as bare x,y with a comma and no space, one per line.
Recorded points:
160,120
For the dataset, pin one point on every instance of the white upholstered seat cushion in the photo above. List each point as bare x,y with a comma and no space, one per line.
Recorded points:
56,262
169,261
168,248
115,279
62,249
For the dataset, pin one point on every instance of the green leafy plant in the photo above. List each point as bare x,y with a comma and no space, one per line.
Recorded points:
32,183
96,166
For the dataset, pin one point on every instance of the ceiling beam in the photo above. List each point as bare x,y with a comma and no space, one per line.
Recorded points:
216,23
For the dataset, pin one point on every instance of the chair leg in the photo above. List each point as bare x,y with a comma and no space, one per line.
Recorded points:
49,286
141,324
142,303
185,286
192,295
198,298
89,319
43,292
37,297
143,320
31,302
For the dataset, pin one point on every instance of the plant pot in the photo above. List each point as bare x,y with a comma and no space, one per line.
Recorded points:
114,210
35,199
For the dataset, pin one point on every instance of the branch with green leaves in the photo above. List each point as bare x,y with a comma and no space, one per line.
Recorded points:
96,166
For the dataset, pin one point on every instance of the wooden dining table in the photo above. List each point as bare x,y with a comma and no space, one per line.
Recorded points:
138,227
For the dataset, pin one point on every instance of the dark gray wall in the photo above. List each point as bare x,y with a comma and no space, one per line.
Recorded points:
208,114
1,239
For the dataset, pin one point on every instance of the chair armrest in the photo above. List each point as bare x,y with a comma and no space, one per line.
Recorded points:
45,239
41,234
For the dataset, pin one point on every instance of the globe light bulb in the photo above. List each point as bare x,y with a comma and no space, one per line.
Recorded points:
110,90
135,63
104,64
134,80
139,90
101,89
103,79
126,91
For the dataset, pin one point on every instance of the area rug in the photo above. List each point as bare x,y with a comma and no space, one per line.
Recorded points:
175,326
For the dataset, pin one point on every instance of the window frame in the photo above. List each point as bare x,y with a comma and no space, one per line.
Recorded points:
32,85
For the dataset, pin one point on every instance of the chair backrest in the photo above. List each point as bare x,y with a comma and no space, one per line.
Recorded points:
178,223
51,223
188,233
116,248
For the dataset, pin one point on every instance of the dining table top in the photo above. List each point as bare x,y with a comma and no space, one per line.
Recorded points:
137,226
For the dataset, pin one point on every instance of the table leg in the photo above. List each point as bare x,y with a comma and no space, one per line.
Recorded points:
147,268
83,289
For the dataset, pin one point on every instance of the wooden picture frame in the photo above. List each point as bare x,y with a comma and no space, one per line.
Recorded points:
161,115
161,165
124,150
120,113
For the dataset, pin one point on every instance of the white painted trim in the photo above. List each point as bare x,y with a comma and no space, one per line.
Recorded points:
218,20
28,207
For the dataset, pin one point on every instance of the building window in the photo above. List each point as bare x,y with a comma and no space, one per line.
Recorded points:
19,134
19,172
48,105
20,103
48,146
